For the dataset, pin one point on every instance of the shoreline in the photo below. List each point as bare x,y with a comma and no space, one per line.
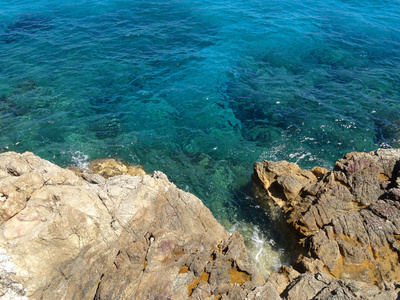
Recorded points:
143,224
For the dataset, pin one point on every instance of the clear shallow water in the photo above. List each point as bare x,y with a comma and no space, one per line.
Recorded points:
201,90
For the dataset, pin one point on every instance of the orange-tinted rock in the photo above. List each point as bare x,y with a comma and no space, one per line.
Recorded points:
349,219
319,172
111,167
282,180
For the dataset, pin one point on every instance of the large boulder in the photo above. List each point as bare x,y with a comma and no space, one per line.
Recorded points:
66,235
281,180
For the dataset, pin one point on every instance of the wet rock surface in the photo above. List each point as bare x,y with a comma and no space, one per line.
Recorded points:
347,222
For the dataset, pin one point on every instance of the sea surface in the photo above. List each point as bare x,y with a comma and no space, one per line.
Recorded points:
201,90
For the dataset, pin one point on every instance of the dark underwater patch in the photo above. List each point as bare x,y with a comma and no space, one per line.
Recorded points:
25,27
103,104
107,126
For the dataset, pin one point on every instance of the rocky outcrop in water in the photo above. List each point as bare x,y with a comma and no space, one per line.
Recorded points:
77,235
72,235
347,222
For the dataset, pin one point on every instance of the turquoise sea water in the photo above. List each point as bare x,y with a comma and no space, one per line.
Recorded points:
201,90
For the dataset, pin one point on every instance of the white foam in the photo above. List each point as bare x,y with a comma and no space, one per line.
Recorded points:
300,156
80,159
385,145
262,250
275,154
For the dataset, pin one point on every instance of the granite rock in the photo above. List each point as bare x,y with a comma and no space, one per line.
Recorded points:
282,180
79,235
71,235
322,287
347,221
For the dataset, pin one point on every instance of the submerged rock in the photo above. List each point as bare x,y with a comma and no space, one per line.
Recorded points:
109,167
347,222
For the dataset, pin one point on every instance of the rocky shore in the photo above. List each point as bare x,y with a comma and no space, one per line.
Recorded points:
125,234
346,222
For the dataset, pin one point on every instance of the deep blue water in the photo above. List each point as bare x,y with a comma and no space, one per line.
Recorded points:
201,90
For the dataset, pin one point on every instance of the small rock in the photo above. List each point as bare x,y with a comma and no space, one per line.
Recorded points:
319,172
110,167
